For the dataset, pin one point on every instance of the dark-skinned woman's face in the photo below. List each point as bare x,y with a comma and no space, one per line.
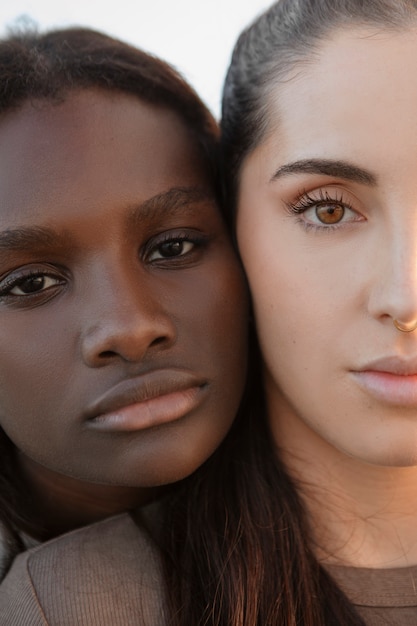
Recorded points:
122,306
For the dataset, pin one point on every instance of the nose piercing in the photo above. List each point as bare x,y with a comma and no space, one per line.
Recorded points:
407,327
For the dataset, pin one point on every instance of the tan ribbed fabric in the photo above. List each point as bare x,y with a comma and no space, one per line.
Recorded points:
383,597
109,574
106,574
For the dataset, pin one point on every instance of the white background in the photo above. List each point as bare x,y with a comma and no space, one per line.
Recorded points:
196,36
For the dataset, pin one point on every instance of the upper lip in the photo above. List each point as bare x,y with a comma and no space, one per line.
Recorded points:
145,387
399,366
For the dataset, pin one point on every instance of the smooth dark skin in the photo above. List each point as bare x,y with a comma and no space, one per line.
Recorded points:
108,303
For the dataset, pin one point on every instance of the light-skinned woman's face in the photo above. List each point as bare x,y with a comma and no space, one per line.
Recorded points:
327,229
122,306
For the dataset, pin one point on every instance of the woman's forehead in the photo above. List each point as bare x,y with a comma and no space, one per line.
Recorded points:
90,144
356,97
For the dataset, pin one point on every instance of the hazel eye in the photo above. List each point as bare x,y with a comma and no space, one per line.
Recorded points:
326,210
330,213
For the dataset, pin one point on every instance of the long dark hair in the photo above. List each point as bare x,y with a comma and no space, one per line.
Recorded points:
50,66
236,539
240,552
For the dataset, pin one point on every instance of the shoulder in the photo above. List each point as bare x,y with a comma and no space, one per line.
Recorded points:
104,574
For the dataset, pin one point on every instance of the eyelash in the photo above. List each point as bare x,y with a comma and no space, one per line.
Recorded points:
10,282
306,201
197,240
16,279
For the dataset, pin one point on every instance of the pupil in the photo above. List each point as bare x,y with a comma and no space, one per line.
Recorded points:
330,214
34,283
171,248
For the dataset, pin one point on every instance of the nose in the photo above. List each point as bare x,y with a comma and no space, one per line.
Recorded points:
126,320
393,296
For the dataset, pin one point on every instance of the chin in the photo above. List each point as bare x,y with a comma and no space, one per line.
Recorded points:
401,457
175,470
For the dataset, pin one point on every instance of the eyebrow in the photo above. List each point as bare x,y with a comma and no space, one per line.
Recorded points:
30,237
175,201
38,238
327,167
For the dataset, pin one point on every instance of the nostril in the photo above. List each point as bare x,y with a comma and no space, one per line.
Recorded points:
127,340
107,354
158,341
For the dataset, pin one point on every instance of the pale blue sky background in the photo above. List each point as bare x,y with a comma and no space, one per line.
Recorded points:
196,36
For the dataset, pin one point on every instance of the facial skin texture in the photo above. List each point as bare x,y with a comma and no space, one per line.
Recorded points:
325,296
120,187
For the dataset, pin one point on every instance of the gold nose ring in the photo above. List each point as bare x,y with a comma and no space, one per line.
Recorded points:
405,327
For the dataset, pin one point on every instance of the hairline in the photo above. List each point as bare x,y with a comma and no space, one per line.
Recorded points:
275,76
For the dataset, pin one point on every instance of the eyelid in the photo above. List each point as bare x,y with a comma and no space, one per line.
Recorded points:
329,194
192,236
155,250
11,280
307,199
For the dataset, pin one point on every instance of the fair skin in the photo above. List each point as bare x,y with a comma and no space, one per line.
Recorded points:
331,257
122,305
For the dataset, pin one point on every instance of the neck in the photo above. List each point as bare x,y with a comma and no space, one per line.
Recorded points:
362,515
62,503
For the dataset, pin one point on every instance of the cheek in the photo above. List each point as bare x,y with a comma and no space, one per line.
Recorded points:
273,280
292,302
226,302
220,325
216,310
31,381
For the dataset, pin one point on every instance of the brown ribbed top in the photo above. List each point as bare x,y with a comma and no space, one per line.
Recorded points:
383,597
106,574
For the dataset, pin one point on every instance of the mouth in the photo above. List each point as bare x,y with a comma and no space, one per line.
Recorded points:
391,380
159,397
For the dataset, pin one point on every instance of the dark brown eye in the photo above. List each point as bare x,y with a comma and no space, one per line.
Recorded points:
32,284
29,285
172,248
330,213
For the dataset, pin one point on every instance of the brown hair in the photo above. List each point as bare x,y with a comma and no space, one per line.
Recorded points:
236,538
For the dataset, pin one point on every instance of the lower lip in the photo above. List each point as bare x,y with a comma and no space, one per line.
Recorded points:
393,389
151,413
